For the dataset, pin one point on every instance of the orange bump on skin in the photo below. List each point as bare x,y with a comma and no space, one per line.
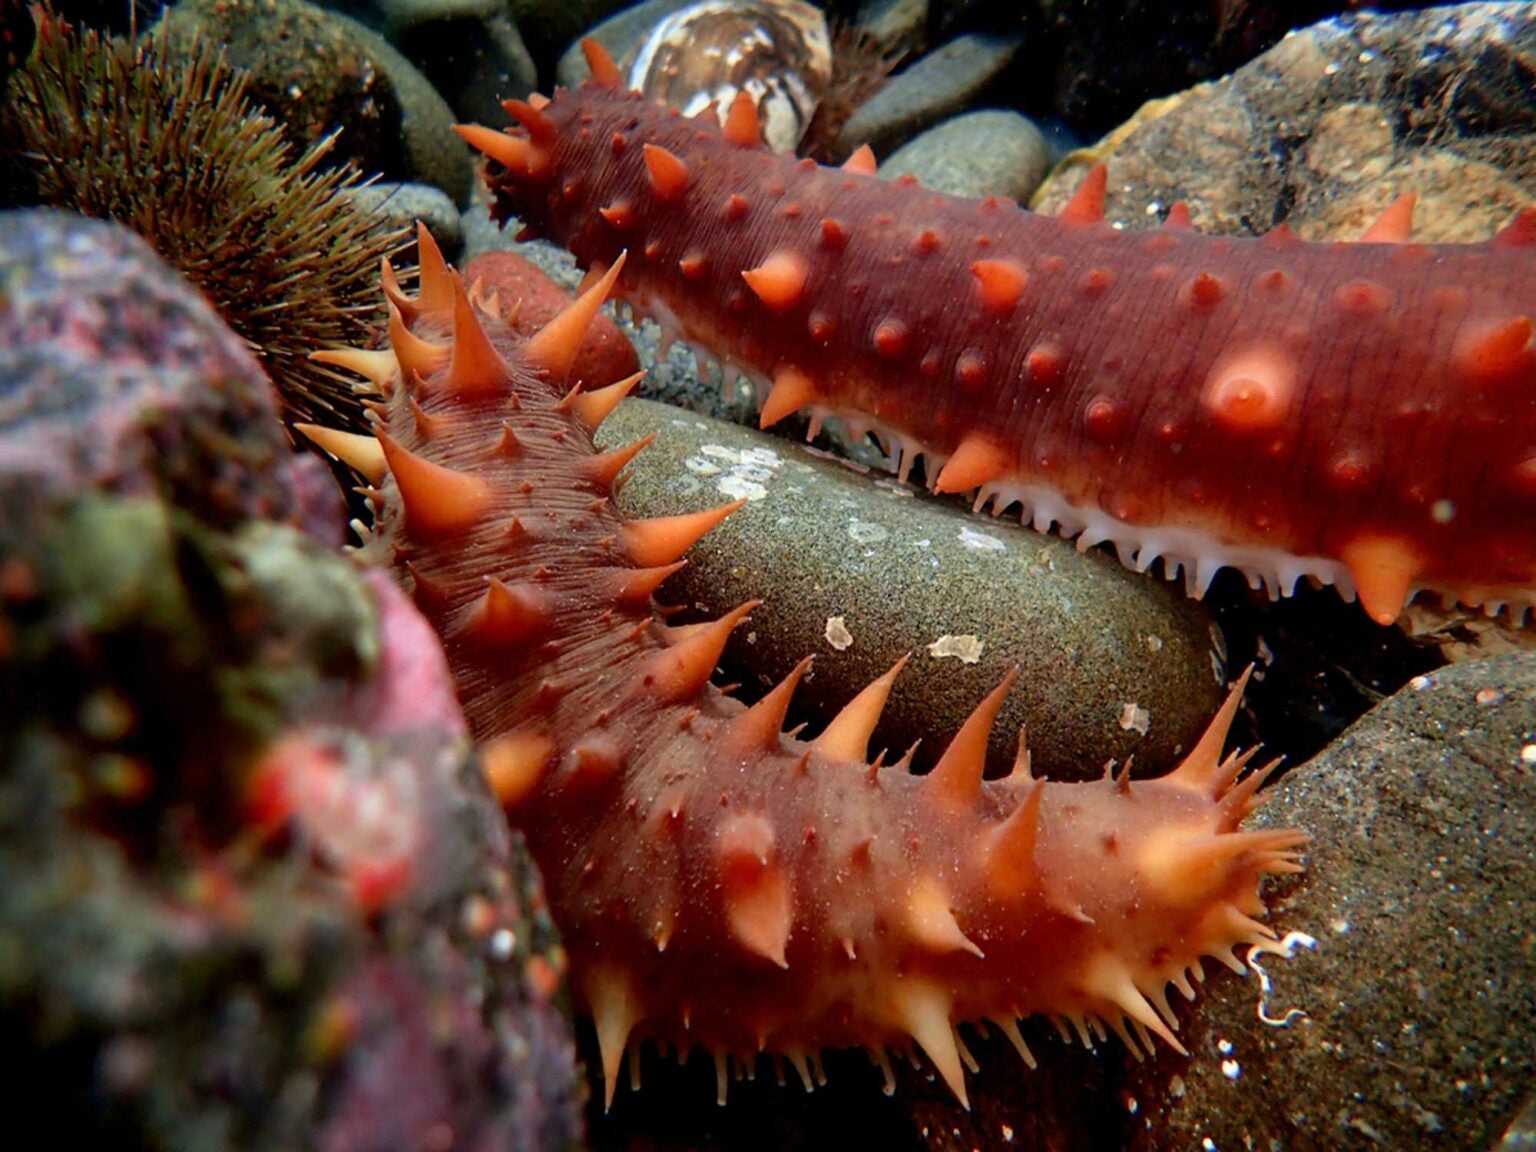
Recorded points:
834,233
1045,363
1087,203
977,461
742,126
1384,569
1250,392
779,281
971,370
1395,224
1205,291
1494,353
669,176
515,763
792,390
891,338
861,162
1000,284
1102,418
620,214
1363,298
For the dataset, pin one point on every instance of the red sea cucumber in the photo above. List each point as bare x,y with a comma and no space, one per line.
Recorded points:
716,882
1361,414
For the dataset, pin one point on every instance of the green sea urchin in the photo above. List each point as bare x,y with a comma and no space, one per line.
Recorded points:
166,142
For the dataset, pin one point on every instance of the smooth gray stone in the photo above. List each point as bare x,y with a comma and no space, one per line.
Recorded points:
858,570
979,154
401,205
945,81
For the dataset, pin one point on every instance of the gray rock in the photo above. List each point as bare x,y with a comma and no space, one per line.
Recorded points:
903,22
945,81
317,71
394,17
552,26
1328,127
401,205
986,153
859,570
1420,889
475,64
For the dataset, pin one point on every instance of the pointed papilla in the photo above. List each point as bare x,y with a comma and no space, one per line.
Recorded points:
1395,224
1087,203
861,162
922,1009
417,358
600,64
759,905
674,674
436,292
517,155
668,174
956,778
475,368
978,460
360,453
742,126
1384,569
604,468
591,408
792,390
1008,849
846,738
779,281
379,368
554,347
663,539
760,726
615,1012
507,615
1203,770
438,501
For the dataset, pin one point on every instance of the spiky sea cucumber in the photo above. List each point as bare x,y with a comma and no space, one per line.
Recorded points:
1361,414
718,883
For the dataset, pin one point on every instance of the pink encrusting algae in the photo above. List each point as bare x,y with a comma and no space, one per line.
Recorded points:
1362,414
718,883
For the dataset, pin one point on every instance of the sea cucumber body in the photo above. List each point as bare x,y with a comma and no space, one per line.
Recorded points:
717,882
1362,413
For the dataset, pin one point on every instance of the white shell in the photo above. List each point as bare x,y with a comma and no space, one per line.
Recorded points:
777,51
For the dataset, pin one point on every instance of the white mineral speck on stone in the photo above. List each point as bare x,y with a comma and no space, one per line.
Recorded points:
503,942
866,531
1528,755
970,538
837,633
966,649
740,487
1231,1069
1135,718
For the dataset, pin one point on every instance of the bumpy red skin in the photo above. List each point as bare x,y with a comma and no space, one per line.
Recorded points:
718,883
1385,413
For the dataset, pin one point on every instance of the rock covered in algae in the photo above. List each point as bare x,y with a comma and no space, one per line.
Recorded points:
116,374
253,890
